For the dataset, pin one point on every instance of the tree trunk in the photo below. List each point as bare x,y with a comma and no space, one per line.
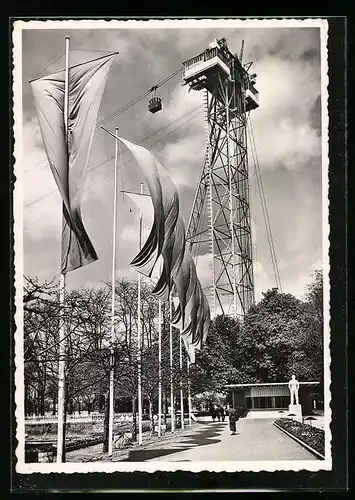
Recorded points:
27,400
54,399
65,423
101,402
70,404
38,405
42,400
164,407
106,425
134,419
151,420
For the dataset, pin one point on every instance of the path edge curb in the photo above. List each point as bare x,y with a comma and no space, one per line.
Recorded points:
302,443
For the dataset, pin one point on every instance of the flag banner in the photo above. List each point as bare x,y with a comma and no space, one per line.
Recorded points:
167,236
144,204
69,160
197,311
173,254
167,240
185,282
192,347
194,339
158,268
190,350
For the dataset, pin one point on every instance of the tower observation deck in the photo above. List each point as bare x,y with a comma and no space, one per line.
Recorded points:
220,224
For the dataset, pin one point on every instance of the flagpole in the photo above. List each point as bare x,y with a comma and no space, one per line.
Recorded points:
113,294
139,341
159,373
172,415
181,391
61,363
189,392
61,375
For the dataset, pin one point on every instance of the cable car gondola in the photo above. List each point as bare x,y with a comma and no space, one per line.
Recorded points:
155,103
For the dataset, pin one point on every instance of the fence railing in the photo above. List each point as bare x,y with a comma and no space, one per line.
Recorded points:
205,56
77,417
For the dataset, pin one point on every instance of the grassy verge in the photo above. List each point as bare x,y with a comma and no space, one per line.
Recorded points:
312,436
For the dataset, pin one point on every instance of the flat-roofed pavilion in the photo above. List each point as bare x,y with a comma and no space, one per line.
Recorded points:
273,396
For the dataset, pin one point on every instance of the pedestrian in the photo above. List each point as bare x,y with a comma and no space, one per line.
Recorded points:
213,412
222,413
233,418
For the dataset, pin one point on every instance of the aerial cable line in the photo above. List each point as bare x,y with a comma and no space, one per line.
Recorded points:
264,208
102,162
150,145
143,96
124,108
147,136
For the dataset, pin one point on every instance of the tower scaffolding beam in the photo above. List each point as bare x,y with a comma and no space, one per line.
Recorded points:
220,217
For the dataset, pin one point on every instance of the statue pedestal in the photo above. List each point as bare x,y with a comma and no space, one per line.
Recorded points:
297,410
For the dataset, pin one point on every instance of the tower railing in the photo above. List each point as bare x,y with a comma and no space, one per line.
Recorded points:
205,56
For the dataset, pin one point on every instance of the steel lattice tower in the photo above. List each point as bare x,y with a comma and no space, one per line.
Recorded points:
220,217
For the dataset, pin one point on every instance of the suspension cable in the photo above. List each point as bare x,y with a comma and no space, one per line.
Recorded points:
124,108
143,96
188,115
149,135
264,207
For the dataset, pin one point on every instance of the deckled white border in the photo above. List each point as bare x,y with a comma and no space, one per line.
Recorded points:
221,466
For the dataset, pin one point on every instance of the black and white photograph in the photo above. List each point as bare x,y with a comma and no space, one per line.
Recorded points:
171,244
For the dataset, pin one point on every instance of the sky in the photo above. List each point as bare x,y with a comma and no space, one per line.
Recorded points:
287,131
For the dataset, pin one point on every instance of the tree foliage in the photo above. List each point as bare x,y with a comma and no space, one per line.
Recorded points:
280,335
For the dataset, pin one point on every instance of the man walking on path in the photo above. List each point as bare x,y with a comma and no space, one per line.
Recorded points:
233,418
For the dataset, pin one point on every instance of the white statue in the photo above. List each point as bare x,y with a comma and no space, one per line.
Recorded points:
294,385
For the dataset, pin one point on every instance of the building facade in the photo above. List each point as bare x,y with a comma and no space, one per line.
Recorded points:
272,396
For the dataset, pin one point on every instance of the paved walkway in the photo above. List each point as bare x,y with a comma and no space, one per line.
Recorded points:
256,440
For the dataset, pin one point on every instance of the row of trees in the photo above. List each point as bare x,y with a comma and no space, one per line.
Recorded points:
88,335
279,336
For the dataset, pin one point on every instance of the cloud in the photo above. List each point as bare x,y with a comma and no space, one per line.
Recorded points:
282,127
183,153
130,234
297,287
39,218
204,269
262,280
285,130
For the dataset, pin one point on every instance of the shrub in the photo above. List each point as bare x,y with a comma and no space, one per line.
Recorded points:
312,436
